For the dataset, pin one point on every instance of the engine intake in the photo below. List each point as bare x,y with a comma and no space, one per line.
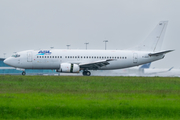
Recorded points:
69,68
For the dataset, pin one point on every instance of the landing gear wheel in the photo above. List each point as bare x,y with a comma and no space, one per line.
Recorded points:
86,73
23,73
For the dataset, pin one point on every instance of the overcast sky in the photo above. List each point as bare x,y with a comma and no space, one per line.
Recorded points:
40,24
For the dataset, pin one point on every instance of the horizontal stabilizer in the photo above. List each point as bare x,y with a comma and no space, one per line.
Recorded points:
160,53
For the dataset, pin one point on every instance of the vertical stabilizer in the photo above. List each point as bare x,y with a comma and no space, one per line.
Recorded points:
154,41
145,66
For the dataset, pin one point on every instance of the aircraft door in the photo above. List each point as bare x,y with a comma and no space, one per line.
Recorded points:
135,58
29,57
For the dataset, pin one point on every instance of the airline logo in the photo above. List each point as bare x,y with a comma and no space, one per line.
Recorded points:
44,52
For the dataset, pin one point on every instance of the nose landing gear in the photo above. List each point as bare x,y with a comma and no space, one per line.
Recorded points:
23,73
86,73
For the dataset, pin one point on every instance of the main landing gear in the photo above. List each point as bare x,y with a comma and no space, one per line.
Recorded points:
86,73
23,73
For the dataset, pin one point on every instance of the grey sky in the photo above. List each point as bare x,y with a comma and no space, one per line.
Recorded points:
35,24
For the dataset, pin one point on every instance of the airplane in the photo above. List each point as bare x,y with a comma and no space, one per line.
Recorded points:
170,73
161,72
74,61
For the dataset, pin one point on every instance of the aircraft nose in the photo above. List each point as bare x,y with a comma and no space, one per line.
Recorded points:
6,61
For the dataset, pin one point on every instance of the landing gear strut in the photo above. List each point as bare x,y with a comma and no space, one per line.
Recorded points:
86,73
23,73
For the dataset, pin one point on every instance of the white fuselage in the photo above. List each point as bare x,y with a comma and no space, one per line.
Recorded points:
30,59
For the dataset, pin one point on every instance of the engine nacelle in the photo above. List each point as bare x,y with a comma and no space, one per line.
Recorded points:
69,68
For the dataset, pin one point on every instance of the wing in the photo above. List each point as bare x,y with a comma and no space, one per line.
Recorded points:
95,65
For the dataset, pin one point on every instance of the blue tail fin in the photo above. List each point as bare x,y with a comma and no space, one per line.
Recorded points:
145,66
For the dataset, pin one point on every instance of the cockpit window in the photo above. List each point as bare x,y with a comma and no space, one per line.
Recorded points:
16,55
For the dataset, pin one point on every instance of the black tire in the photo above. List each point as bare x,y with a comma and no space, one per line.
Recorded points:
23,73
88,73
84,73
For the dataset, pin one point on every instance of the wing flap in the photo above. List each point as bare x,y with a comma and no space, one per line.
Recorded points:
95,65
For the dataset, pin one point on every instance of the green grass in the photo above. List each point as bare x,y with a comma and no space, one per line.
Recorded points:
62,97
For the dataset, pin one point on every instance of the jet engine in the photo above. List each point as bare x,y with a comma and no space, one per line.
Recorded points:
69,68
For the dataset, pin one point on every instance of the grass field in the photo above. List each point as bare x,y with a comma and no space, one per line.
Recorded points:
82,98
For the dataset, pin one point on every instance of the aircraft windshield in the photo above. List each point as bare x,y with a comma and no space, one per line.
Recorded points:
16,55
